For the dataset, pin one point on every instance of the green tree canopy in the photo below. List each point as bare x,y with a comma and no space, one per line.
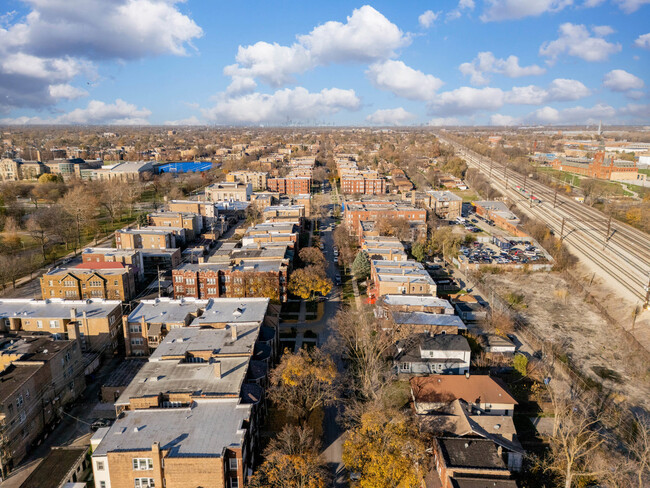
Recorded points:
361,265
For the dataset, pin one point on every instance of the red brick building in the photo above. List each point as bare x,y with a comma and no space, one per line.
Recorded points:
290,186
357,212
249,279
601,167
363,186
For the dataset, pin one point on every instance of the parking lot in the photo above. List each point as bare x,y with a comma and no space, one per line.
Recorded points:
507,252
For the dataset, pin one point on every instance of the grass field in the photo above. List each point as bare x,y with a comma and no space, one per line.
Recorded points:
467,195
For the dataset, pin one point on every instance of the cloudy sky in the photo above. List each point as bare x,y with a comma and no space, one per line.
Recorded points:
266,62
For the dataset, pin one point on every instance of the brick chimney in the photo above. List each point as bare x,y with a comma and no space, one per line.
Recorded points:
216,369
233,332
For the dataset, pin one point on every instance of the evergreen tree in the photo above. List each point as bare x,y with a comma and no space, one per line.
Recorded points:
361,266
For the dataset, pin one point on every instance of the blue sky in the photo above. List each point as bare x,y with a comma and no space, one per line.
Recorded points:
500,62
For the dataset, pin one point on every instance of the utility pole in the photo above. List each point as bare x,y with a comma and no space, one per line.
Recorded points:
562,230
609,227
555,198
491,163
646,305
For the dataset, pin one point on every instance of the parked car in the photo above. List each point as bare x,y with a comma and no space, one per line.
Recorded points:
99,423
337,280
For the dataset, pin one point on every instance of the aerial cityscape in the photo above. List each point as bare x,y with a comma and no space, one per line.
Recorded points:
262,244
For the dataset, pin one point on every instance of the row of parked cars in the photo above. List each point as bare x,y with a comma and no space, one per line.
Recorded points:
479,253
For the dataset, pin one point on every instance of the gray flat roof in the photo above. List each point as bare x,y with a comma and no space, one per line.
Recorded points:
424,318
182,340
174,376
27,308
385,263
444,196
417,301
166,310
204,429
233,311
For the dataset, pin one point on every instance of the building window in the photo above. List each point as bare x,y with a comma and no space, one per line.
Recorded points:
234,482
54,324
100,465
135,329
136,341
144,483
212,281
68,283
405,366
70,293
95,283
102,484
39,324
142,464
19,401
178,279
212,291
233,464
189,281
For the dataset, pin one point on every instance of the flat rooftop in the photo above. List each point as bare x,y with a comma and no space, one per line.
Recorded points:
233,311
166,310
81,270
175,376
424,318
445,196
28,308
417,301
205,429
110,251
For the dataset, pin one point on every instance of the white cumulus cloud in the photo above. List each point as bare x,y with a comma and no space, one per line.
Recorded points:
390,116
95,113
573,115
486,63
559,90
281,107
67,92
619,80
629,6
193,120
367,36
402,80
643,41
575,40
497,10
427,19
500,119
59,40
442,121
467,100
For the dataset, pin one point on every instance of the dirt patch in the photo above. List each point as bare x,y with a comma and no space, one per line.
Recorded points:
559,315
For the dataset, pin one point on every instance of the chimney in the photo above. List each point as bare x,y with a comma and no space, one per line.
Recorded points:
74,334
216,368
413,198
73,314
233,332
467,374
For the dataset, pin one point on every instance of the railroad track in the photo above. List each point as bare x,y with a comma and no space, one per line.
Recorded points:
621,251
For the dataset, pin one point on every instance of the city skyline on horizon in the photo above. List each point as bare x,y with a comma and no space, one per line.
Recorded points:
166,62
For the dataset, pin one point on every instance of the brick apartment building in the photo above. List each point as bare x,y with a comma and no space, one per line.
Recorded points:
197,423
602,166
128,257
227,191
255,178
247,279
357,212
111,281
400,278
445,204
191,222
98,321
272,232
149,323
400,182
355,184
501,215
290,186
204,209
284,213
39,376
145,238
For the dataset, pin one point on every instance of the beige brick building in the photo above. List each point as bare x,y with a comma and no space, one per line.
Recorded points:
240,192
99,321
255,178
112,281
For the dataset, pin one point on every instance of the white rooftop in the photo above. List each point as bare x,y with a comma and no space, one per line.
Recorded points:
56,308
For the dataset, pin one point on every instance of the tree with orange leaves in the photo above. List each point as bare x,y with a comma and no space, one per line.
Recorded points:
303,382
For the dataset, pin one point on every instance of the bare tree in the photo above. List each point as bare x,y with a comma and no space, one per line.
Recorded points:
40,226
81,205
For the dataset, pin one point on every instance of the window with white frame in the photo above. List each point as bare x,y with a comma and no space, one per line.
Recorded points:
234,482
178,279
99,465
135,328
102,484
39,324
189,281
54,324
232,462
142,464
212,281
144,483
136,341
